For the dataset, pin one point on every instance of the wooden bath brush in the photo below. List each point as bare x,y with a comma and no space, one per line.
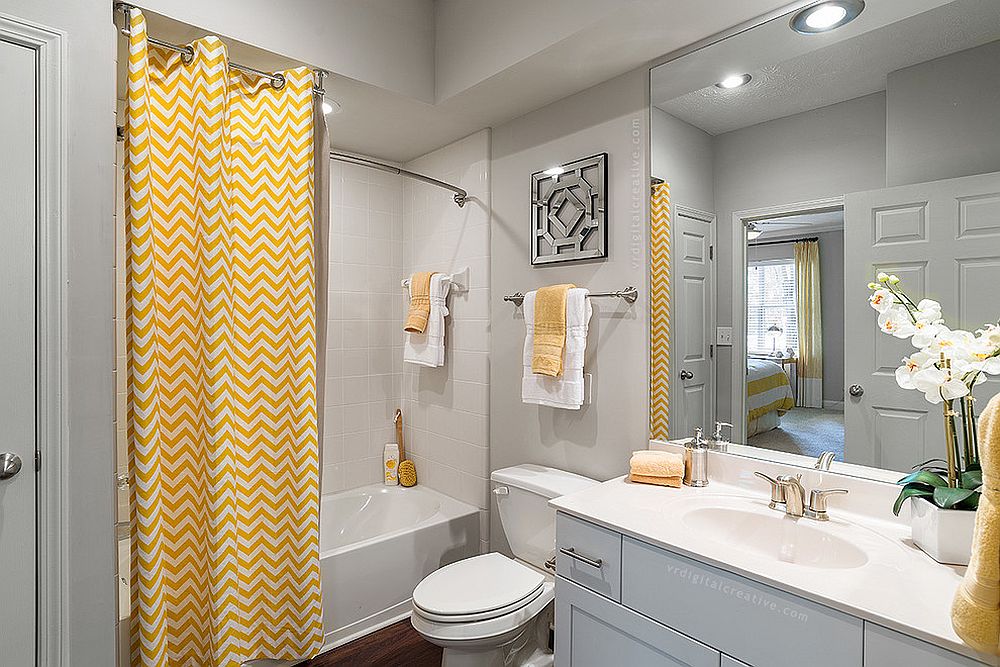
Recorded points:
407,471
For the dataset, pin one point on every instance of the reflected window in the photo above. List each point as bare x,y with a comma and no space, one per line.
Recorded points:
771,311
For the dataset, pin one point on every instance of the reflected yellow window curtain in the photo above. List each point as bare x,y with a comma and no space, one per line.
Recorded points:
221,361
810,323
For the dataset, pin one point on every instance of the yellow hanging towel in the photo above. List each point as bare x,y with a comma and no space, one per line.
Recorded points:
975,613
550,330
420,302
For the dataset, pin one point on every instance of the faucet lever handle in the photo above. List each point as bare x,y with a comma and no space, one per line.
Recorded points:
777,490
817,498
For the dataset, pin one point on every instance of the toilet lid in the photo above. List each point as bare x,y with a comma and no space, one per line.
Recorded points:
477,585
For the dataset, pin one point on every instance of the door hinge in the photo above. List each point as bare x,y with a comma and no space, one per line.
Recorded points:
38,460
711,252
711,351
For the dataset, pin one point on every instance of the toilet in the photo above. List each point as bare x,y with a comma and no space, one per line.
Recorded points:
491,610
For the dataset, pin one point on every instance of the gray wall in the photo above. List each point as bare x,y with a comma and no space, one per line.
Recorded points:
597,439
88,610
942,117
831,270
681,154
821,153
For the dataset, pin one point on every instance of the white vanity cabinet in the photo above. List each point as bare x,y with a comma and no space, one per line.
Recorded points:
622,601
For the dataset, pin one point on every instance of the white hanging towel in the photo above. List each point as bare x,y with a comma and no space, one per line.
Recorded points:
566,391
427,349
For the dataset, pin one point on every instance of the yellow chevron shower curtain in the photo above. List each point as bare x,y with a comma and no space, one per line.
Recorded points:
659,311
221,361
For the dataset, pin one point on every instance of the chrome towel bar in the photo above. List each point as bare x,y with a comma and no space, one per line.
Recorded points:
629,294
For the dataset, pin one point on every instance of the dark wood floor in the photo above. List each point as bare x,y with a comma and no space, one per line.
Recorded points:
398,645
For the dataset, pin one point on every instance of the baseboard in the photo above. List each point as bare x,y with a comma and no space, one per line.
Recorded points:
833,405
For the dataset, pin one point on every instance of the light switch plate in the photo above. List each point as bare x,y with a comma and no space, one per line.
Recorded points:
724,336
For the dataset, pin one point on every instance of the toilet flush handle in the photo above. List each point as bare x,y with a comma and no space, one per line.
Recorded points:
501,491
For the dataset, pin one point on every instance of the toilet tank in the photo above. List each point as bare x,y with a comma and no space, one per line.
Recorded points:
522,494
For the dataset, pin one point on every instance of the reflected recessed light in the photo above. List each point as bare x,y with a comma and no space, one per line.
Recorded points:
826,16
553,171
331,106
734,81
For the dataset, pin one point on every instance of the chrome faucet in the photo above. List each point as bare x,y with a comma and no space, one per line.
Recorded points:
825,460
788,496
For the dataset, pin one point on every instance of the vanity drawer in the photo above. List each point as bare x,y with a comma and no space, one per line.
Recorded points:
592,631
758,624
888,648
589,555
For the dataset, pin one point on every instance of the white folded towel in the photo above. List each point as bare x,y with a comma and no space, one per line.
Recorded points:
566,391
427,349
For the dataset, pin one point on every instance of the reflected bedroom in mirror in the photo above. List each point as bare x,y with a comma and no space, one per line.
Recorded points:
790,168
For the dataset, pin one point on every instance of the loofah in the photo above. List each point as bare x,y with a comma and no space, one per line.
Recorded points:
407,473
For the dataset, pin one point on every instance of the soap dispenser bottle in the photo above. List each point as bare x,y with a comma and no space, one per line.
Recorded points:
696,460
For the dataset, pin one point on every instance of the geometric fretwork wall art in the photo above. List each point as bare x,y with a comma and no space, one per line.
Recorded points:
569,219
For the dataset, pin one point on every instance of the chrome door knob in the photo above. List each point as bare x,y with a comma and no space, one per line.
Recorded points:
686,375
10,465
856,390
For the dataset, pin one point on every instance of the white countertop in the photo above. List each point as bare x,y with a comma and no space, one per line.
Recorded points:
900,587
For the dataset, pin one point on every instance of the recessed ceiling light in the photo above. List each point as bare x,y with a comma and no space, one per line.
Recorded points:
331,106
553,171
734,81
826,16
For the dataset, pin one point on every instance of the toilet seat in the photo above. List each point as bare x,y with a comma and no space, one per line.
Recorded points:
477,589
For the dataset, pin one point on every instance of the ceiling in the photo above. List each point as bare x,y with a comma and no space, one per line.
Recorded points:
839,71
615,37
806,224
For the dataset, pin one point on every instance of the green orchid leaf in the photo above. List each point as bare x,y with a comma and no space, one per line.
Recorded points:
946,497
923,477
910,492
972,479
970,503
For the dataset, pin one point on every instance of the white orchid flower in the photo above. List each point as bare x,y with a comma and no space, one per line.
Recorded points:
929,311
938,384
882,277
925,333
896,321
911,365
956,345
882,300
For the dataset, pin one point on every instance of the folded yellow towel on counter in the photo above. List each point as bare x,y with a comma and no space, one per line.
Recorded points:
655,463
661,481
550,330
975,612
420,302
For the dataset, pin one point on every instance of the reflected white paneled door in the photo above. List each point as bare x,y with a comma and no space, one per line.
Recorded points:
18,132
943,241
692,324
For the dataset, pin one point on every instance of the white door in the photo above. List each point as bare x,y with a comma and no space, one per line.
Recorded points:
18,133
943,240
692,323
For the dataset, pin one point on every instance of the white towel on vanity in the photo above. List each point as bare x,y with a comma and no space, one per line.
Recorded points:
427,349
566,391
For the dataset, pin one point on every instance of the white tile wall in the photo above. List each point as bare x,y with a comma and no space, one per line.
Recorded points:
447,408
364,330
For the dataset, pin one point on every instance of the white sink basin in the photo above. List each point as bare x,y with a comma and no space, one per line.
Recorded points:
777,536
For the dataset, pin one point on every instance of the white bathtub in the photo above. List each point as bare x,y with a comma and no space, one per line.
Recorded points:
376,544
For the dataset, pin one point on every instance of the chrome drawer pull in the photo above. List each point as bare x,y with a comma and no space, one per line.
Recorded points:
571,552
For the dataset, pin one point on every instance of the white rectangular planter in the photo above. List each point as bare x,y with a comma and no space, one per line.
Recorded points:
944,535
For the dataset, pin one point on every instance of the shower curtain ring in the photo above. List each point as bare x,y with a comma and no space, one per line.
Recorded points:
278,81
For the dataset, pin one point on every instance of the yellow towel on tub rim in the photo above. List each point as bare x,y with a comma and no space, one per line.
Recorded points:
550,330
420,302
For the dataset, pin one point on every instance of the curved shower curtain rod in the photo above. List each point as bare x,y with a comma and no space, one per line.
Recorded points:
460,195
187,53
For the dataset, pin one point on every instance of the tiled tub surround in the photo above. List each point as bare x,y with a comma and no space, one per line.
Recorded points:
898,591
447,408
364,329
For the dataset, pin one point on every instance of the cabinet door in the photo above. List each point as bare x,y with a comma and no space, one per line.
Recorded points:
592,631
888,648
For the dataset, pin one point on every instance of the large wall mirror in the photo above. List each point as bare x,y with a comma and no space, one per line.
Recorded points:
796,165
